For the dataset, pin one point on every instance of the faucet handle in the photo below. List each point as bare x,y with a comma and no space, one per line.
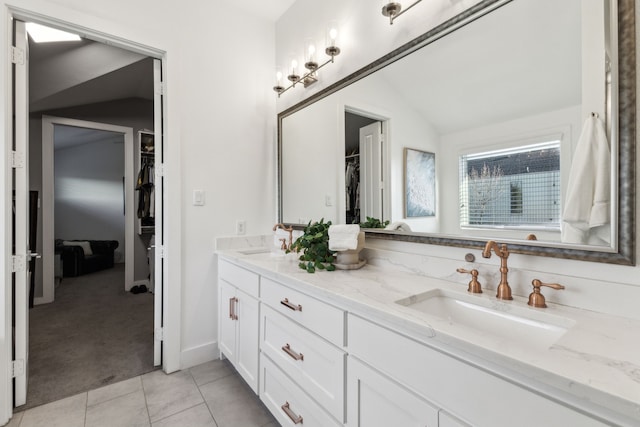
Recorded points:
474,285
536,299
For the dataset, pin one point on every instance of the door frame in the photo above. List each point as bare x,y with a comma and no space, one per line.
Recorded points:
384,117
48,199
171,266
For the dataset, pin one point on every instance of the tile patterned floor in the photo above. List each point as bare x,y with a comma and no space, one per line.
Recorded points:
208,395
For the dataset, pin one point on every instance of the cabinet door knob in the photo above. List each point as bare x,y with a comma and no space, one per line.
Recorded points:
297,419
296,356
291,306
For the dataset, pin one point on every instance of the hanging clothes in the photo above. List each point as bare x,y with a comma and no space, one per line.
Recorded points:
352,181
146,198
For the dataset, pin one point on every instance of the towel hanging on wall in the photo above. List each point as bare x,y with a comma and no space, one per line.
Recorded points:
586,217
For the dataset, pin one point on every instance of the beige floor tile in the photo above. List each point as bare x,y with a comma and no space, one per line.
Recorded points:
15,420
198,416
211,371
112,391
169,394
234,404
69,412
129,410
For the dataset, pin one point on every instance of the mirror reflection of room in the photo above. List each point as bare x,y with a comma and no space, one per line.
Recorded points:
498,85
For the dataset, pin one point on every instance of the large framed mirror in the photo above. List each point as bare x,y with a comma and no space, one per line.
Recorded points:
513,121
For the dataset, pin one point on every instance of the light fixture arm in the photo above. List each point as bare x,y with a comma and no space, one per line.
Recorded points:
310,76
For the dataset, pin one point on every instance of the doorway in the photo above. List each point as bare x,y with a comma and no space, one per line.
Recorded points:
366,169
21,353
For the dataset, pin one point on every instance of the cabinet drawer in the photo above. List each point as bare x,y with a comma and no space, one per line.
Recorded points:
277,390
316,365
244,280
323,319
459,388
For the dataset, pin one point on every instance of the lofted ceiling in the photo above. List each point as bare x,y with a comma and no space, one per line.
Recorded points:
65,74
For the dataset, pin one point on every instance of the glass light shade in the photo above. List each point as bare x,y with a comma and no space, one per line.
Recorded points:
310,61
332,34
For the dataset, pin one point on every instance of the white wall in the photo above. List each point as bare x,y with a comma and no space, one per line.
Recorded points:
595,286
219,133
365,35
89,193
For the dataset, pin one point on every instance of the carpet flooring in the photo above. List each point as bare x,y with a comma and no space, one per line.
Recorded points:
93,334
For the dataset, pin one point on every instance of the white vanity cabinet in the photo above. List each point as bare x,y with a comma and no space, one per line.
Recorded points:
375,400
319,359
239,319
302,339
457,389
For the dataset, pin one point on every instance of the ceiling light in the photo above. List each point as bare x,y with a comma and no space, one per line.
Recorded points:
394,9
41,34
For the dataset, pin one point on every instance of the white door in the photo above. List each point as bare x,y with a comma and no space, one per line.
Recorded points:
21,253
159,192
371,172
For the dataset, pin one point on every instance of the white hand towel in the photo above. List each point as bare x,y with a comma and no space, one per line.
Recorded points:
343,237
398,226
587,203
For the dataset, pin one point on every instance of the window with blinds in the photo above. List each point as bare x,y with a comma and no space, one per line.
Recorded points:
518,187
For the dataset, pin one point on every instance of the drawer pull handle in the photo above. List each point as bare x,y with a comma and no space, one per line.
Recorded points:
293,307
293,354
232,308
297,419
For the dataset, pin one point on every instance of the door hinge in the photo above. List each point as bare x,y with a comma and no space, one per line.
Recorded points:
159,334
17,159
159,170
17,368
160,88
160,250
16,55
17,263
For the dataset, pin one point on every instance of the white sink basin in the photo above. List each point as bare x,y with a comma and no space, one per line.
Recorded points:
486,316
269,253
254,251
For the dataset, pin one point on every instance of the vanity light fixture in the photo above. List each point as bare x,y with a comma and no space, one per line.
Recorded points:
394,9
311,65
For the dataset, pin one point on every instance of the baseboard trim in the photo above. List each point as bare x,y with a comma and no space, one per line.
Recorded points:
197,355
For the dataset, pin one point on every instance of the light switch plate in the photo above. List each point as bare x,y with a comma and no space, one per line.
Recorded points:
198,197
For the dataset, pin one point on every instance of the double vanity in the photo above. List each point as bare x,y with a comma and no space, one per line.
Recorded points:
384,346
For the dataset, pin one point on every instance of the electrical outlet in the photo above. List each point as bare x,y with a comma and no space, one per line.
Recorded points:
241,227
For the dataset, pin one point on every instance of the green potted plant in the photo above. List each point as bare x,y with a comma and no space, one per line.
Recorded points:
314,245
373,223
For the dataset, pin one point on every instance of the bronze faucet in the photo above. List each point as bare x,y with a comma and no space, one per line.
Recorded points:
285,246
504,291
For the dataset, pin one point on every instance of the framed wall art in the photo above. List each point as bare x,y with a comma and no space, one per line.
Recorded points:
419,183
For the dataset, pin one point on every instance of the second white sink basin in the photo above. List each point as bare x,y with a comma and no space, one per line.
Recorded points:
490,317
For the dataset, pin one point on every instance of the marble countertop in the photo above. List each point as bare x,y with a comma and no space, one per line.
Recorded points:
595,363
